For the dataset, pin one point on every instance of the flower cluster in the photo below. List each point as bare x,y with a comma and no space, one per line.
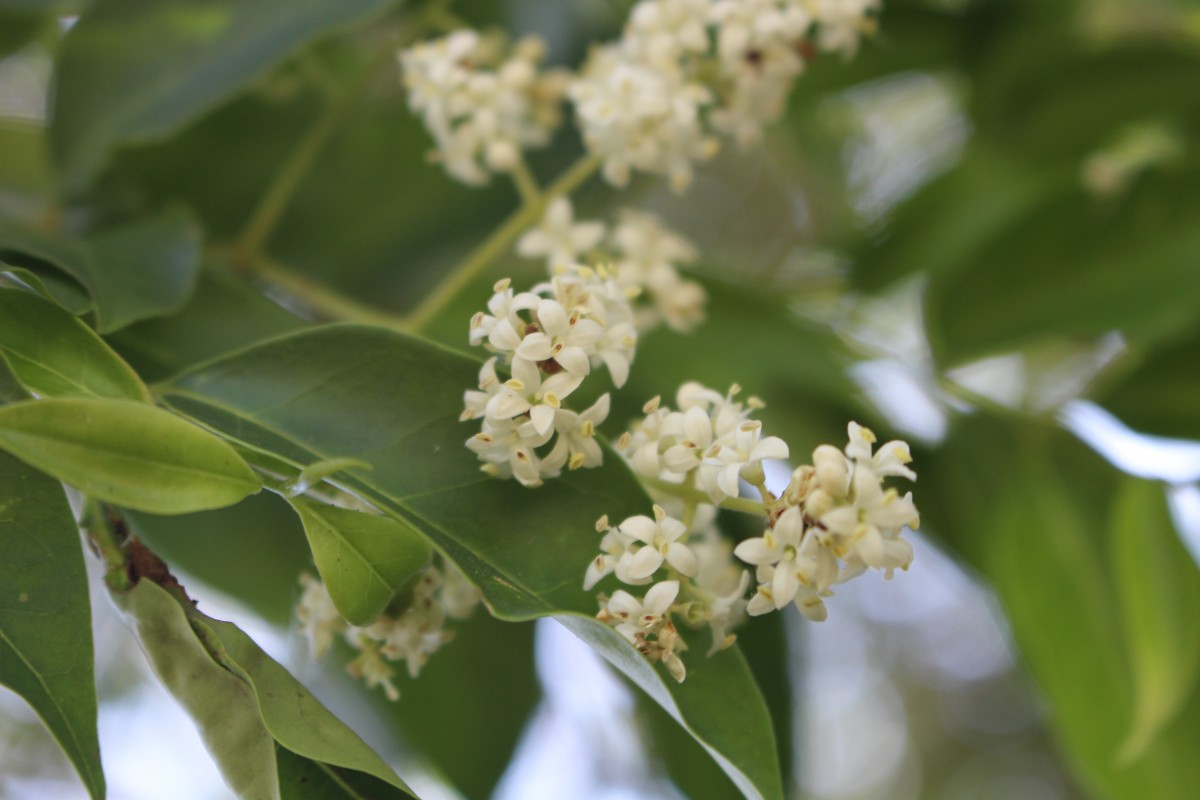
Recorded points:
643,253
482,106
688,71
411,636
834,521
549,338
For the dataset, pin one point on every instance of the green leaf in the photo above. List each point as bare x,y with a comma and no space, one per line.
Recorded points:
127,453
24,167
199,54
1159,589
365,560
259,724
221,705
50,284
305,779
45,614
140,270
224,315
55,355
393,402
292,715
1162,394
1077,267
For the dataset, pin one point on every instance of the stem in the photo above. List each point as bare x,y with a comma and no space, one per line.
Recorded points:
497,243
278,195
326,302
527,185
107,535
739,504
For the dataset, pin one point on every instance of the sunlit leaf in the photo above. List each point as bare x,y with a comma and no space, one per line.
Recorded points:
365,560
1159,592
346,391
199,55
127,453
55,355
143,269
45,614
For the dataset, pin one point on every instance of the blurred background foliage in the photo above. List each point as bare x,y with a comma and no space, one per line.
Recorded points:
982,227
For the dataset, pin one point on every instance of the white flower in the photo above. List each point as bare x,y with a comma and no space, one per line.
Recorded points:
842,22
526,392
661,539
559,239
318,616
635,618
566,339
663,31
475,401
889,460
649,255
869,530
481,119
505,308
370,665
457,595
724,464
576,444
508,448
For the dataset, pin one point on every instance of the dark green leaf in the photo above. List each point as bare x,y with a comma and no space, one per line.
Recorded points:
50,284
1162,394
127,453
18,29
45,614
1159,590
364,560
144,269
55,355
1077,267
224,315
393,402
199,54
305,779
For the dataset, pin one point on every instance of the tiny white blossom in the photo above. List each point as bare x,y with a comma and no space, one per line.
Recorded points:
559,238
660,537
319,618
724,464
576,446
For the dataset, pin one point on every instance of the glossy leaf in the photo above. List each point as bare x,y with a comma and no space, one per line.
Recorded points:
1159,587
127,453
55,355
200,54
45,614
364,560
345,391
144,269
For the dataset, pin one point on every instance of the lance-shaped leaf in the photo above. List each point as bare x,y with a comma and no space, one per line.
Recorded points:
144,269
364,559
198,53
393,402
1159,589
53,354
45,614
127,453
235,694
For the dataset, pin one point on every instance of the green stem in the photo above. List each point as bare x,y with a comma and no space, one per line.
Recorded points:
278,195
497,243
527,185
689,495
318,298
102,528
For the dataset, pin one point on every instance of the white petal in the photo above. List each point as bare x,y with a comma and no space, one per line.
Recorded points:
727,479
574,360
641,528
542,417
770,447
504,337
756,551
553,317
681,557
535,347
660,597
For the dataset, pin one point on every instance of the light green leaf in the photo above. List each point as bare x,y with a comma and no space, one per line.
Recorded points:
127,453
258,722
393,401
365,560
221,705
144,269
199,54
55,355
45,614
293,716
1159,589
